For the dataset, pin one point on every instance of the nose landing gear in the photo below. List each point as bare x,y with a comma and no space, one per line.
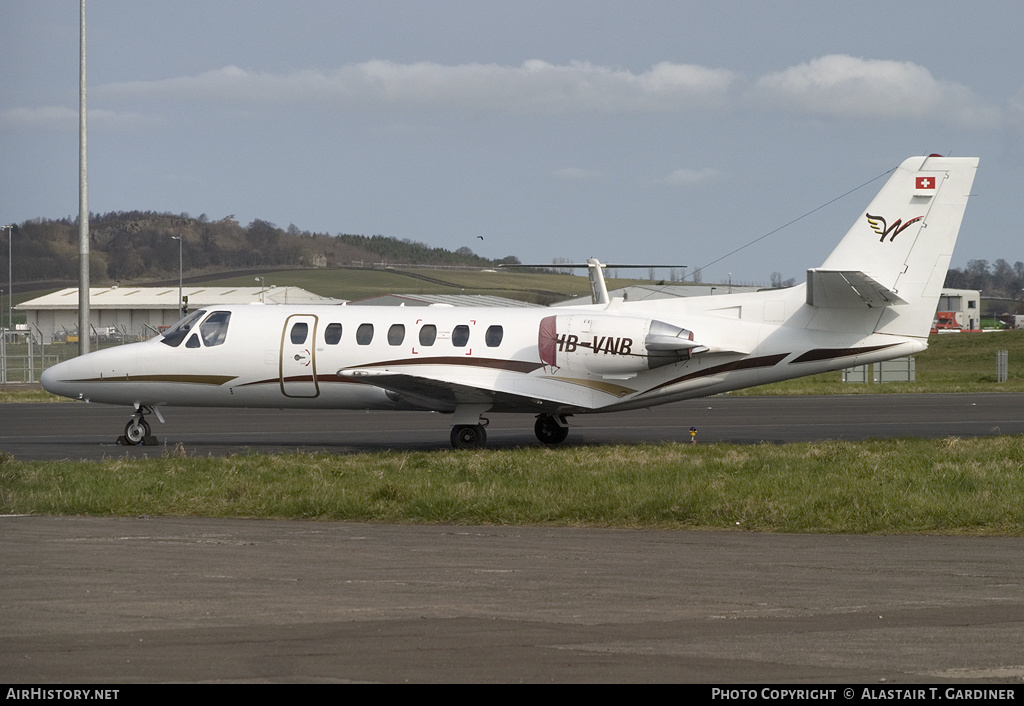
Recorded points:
137,431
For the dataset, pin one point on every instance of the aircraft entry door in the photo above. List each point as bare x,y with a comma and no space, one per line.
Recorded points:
298,357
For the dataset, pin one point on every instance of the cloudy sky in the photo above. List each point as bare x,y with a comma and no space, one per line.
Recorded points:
672,132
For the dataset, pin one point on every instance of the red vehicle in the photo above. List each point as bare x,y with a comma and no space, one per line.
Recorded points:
947,321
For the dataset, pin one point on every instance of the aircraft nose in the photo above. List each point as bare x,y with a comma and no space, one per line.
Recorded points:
55,380
83,378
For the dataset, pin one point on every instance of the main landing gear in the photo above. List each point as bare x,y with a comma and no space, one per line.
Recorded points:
137,431
469,436
550,429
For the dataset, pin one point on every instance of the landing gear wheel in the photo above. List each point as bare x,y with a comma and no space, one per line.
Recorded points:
466,436
136,431
548,429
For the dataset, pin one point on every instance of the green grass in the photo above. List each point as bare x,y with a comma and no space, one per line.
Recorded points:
355,283
27,393
964,362
950,486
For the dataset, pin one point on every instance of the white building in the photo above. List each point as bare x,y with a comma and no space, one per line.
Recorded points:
140,312
440,300
965,304
641,292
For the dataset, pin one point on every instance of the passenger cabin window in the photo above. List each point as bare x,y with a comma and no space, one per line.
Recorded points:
177,333
332,335
364,334
299,332
215,328
396,334
428,334
460,336
493,336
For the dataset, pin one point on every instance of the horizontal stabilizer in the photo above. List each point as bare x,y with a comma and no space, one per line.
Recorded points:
838,289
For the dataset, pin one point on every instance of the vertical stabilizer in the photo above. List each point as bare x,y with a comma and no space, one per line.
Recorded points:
897,253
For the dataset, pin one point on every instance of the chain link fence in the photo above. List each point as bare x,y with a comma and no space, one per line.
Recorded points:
23,356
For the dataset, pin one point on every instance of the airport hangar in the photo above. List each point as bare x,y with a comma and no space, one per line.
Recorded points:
138,313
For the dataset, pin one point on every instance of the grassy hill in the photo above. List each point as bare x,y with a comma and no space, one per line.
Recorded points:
359,283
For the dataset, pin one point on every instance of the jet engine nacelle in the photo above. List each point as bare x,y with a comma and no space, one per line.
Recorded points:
612,346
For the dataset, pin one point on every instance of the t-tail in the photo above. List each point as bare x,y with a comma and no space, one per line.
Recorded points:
894,259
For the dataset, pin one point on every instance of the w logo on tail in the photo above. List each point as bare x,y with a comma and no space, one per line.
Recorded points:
878,225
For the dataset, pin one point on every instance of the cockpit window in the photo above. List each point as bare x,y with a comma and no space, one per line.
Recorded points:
177,333
215,328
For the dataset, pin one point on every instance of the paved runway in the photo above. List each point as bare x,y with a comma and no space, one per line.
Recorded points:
78,430
122,601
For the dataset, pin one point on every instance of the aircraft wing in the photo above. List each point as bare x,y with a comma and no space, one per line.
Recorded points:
847,289
443,387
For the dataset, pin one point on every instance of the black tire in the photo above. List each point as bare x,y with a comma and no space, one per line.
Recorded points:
136,431
549,431
468,436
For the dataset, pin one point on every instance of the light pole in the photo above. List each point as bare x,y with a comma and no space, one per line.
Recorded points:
10,276
263,288
181,302
84,314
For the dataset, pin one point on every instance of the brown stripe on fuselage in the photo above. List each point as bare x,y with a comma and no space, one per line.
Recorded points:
515,366
190,379
766,361
819,354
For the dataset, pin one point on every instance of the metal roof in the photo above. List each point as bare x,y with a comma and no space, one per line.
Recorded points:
167,297
640,292
439,300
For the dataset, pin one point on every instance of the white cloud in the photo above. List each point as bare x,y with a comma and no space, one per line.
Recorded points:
841,86
1017,110
692,177
56,117
533,87
834,86
47,116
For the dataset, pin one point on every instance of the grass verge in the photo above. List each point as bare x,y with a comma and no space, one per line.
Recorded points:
950,486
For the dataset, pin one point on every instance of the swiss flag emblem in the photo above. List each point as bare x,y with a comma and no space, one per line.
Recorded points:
924,182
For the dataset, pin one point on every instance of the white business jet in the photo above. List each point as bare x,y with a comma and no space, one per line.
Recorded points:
874,298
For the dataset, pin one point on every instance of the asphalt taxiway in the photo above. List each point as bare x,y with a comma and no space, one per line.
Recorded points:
144,600
89,431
